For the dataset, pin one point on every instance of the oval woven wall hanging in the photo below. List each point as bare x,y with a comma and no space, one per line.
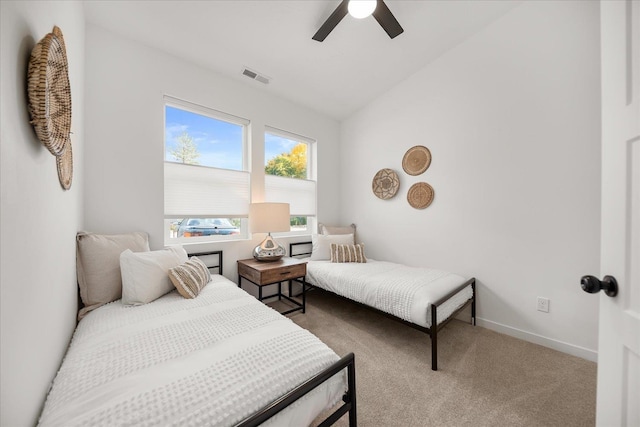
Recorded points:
420,195
50,92
416,160
385,184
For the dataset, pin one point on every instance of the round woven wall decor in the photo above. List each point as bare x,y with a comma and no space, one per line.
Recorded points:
416,160
50,92
64,163
420,195
385,184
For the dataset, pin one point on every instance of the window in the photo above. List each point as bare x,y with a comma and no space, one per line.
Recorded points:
206,178
289,177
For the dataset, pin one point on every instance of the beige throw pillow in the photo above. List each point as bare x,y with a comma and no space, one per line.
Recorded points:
190,277
348,253
98,266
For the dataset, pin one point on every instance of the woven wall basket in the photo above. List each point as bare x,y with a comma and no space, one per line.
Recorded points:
416,160
50,92
420,195
385,184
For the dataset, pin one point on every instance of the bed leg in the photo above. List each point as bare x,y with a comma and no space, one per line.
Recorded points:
351,379
473,303
433,333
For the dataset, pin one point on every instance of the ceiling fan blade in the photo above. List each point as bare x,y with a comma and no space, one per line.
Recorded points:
386,20
332,21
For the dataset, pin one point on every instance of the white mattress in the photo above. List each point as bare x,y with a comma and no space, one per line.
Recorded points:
403,291
212,360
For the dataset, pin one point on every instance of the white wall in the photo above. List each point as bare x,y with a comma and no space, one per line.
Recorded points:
512,119
38,219
125,112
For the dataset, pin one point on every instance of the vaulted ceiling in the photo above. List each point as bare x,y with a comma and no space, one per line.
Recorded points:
355,64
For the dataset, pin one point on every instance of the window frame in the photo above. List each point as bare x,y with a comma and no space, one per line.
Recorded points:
173,102
311,175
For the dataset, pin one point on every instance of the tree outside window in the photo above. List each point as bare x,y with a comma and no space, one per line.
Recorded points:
291,164
185,150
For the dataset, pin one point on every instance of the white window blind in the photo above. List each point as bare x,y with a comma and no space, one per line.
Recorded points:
197,191
299,193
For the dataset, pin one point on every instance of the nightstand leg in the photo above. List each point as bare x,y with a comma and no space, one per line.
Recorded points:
304,295
279,291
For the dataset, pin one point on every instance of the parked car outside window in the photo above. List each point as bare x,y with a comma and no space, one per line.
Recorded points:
196,227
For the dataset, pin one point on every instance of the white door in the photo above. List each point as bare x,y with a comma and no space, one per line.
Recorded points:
619,333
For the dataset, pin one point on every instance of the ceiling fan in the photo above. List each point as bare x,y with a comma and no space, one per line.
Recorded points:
361,9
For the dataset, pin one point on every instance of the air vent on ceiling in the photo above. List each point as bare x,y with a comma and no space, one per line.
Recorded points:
255,76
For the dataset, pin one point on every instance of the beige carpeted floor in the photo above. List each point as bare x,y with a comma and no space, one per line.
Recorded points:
484,378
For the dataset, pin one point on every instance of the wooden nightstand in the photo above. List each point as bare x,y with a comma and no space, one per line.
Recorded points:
269,273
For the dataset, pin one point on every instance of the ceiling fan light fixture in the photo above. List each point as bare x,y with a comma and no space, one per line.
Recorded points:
377,8
361,8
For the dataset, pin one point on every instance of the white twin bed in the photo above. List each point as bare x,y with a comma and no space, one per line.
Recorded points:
425,299
221,358
402,291
209,361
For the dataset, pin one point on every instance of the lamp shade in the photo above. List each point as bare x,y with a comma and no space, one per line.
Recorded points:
269,217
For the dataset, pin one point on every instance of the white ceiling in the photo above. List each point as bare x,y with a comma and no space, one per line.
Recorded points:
356,63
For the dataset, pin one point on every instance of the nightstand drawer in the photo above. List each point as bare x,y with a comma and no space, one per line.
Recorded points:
266,273
286,272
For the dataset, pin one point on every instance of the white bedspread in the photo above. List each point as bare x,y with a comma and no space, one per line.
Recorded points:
403,291
209,361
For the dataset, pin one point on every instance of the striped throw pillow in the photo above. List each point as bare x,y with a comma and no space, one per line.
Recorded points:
189,278
347,253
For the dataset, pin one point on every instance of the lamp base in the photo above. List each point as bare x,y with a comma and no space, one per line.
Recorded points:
269,250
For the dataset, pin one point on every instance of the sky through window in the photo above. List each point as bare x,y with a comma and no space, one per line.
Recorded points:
219,143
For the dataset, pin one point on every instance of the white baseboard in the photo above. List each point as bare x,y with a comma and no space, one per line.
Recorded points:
564,347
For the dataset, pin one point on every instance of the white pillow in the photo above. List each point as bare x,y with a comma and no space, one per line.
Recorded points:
321,245
145,275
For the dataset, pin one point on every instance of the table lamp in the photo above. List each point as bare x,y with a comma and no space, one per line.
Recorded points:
269,218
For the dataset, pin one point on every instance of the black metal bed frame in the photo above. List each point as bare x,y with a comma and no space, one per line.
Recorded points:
347,362
201,255
432,331
349,398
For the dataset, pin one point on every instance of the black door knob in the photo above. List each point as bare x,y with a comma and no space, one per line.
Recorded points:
593,285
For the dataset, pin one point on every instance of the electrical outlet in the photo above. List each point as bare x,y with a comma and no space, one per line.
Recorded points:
543,304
